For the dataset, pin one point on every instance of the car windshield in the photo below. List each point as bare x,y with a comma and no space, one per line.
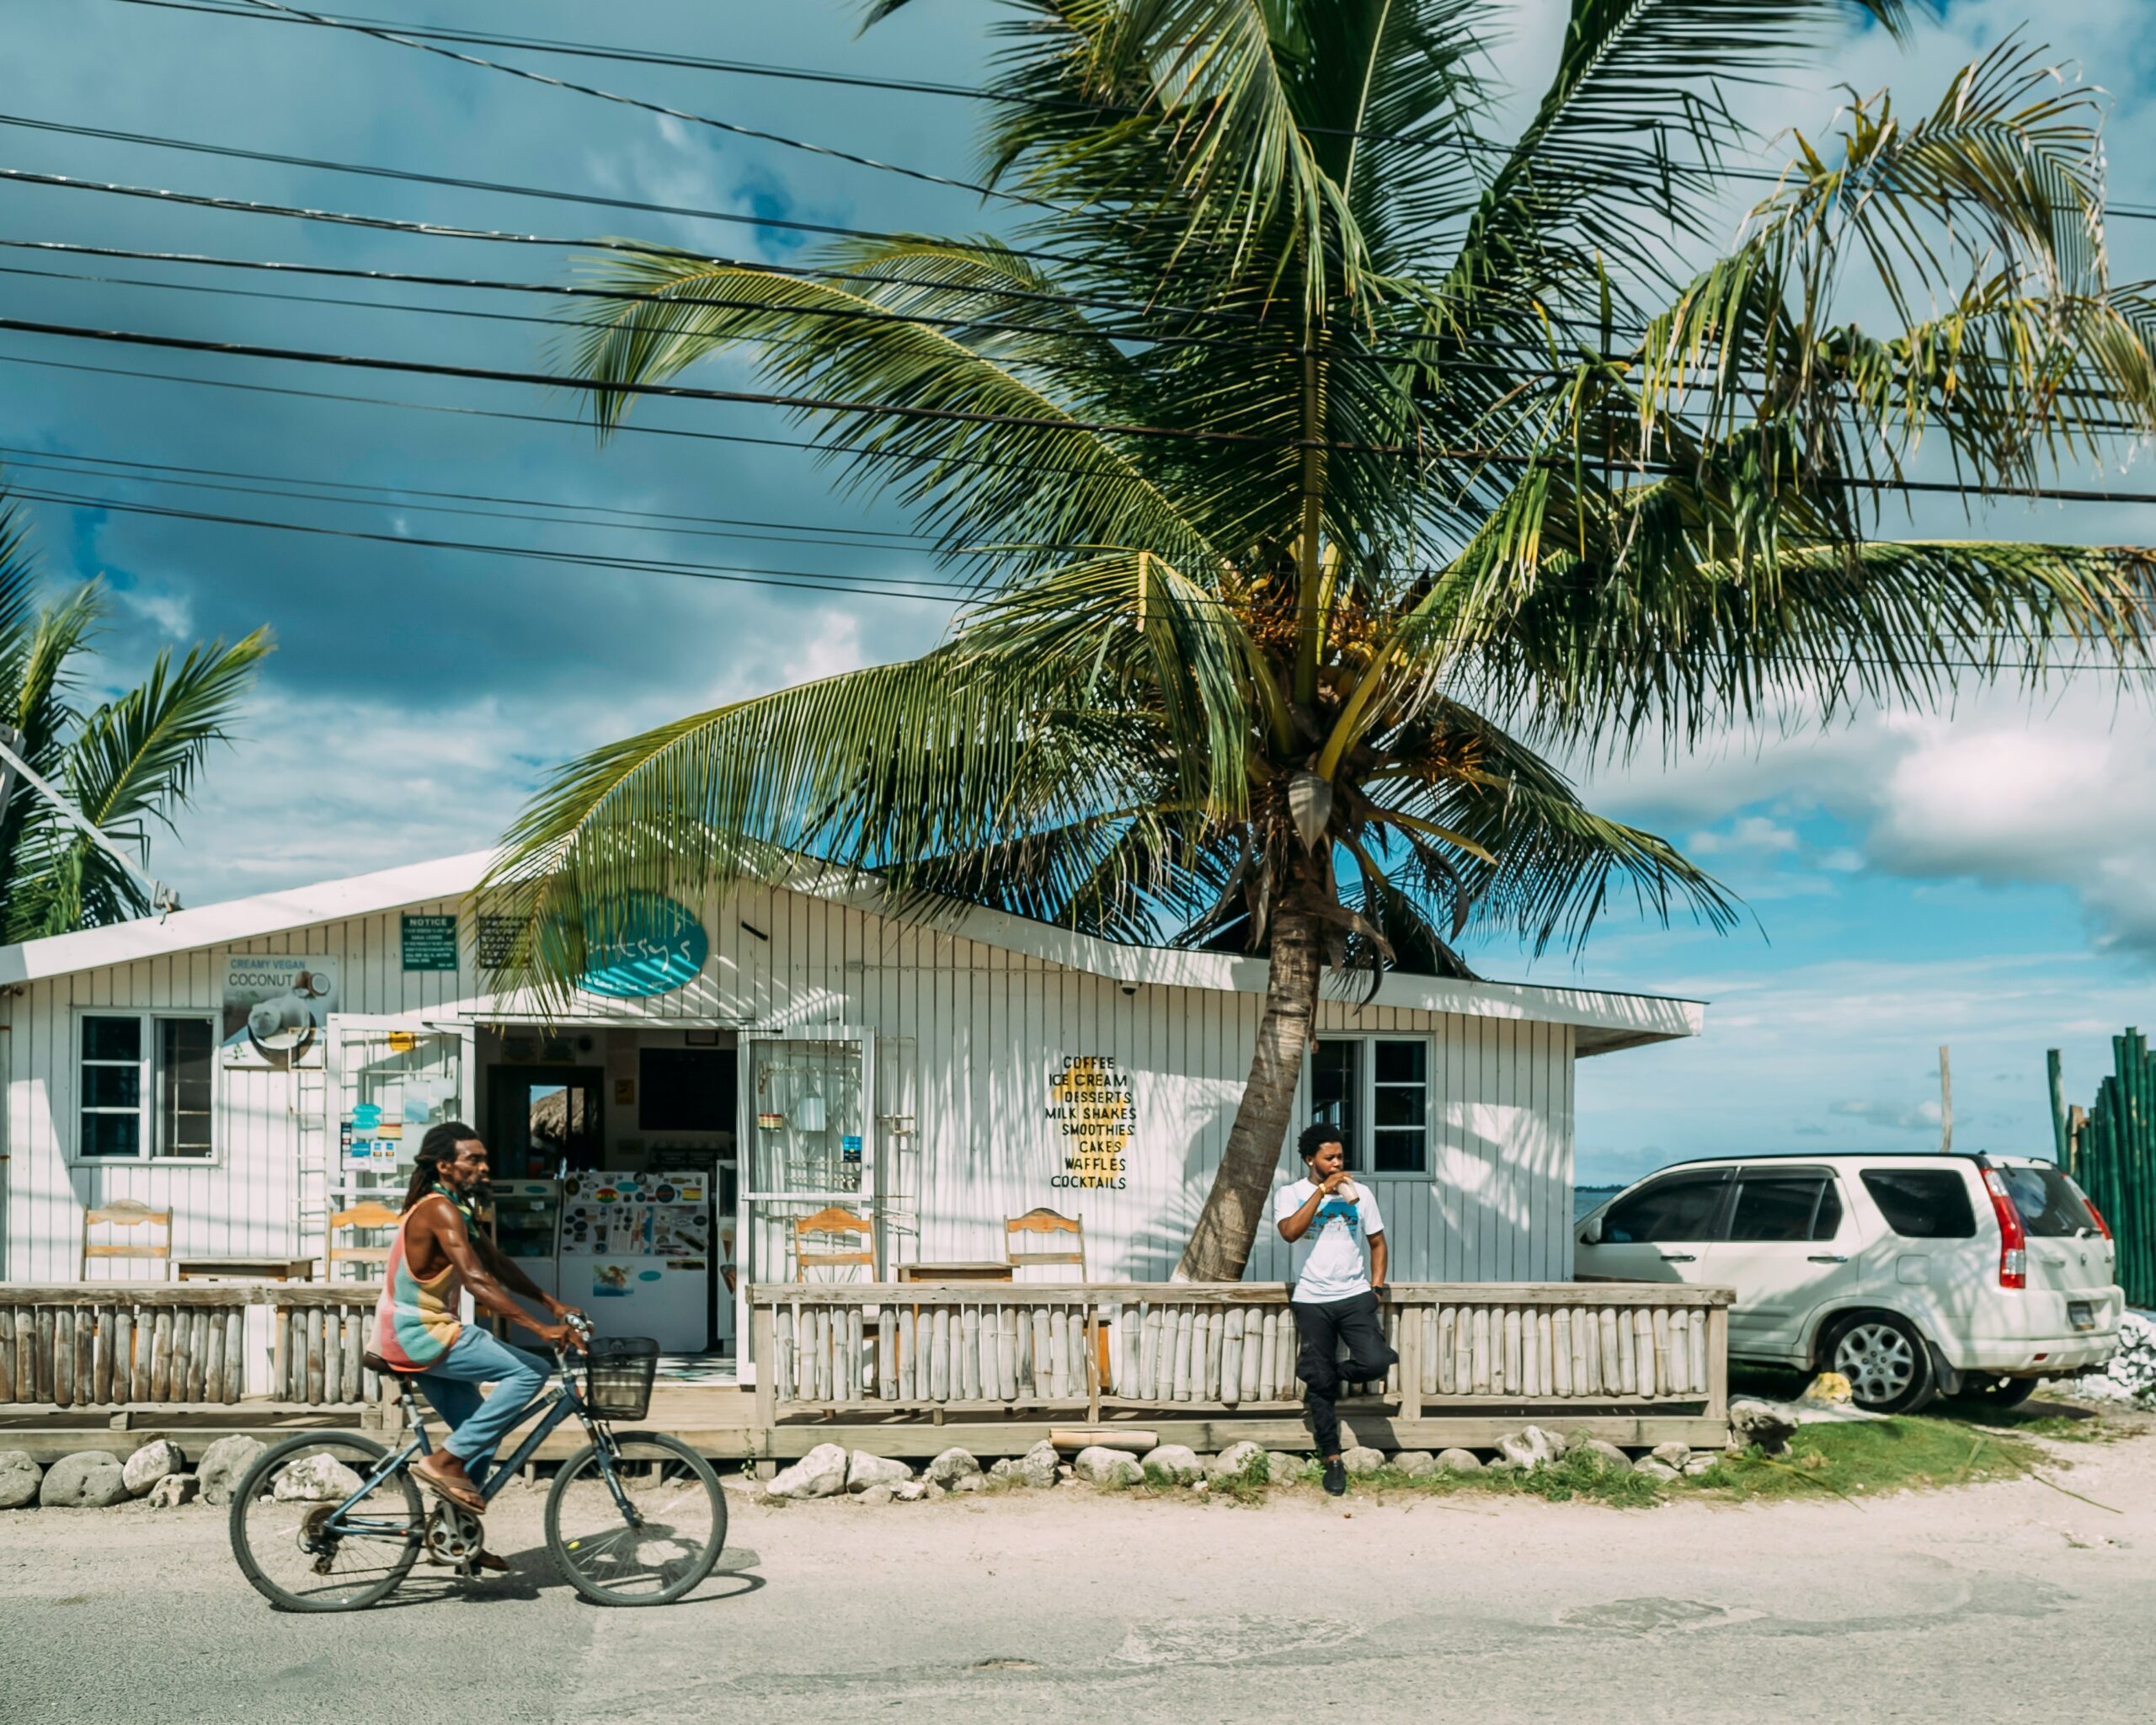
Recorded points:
2050,1208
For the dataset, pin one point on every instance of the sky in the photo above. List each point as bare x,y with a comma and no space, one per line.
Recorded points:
1973,876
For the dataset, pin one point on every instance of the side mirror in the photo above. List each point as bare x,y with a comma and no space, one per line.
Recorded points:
1590,1233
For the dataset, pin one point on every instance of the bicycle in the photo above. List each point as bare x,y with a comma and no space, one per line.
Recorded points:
331,1521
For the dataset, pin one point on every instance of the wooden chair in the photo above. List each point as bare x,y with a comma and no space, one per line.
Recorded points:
1045,1222
1043,1226
127,1213
839,1226
366,1214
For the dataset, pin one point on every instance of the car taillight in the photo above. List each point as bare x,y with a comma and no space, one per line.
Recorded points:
2097,1216
2012,1241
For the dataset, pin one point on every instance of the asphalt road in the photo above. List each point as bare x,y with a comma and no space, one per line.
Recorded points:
2014,1600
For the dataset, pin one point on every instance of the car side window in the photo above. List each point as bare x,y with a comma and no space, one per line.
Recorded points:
1683,1207
1923,1203
1791,1207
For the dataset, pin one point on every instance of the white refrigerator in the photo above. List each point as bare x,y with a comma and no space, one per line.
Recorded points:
637,1253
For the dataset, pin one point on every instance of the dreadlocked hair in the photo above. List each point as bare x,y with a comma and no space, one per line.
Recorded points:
437,1147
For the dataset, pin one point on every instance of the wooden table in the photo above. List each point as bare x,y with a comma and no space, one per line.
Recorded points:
249,1270
985,1270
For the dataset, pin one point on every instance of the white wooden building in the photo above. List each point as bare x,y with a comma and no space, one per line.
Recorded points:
935,1078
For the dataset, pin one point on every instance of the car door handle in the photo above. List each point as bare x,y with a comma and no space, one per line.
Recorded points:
1678,1257
1829,1258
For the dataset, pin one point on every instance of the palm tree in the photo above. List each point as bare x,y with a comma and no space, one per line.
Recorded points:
124,763
1320,468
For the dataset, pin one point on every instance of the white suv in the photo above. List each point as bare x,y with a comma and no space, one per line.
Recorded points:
1915,1275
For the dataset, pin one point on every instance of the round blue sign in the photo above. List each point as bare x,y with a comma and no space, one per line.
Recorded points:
642,944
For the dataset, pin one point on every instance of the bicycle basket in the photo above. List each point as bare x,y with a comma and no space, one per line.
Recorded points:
618,1371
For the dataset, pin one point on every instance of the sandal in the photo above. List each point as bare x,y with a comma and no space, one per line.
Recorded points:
463,1496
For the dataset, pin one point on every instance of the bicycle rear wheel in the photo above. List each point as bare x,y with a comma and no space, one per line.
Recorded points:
296,1547
678,1530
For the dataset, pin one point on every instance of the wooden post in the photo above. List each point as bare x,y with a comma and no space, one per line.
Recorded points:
763,1351
213,1362
1092,1340
8,1355
85,1355
314,1385
1717,1405
63,1358
1410,1356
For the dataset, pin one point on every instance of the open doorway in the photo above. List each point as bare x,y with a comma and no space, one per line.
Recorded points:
544,1122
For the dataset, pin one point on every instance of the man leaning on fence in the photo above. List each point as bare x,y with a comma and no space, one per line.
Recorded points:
1328,1217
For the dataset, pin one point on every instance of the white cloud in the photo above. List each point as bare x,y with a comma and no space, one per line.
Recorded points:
1896,1117
1750,835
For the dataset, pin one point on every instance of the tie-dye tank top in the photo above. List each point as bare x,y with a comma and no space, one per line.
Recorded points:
416,1322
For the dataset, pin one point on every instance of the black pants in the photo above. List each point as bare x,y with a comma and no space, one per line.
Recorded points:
1323,1328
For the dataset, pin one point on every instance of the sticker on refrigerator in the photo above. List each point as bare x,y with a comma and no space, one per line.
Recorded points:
610,1280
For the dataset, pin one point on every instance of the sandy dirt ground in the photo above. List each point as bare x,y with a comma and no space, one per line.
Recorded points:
2011,1599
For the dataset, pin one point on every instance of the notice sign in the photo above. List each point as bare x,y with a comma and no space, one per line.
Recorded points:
429,942
1089,1099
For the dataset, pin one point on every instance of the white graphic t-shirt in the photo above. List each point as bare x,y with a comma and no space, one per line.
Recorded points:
1328,1259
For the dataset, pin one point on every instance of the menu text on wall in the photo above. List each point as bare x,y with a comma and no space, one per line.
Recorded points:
1090,1100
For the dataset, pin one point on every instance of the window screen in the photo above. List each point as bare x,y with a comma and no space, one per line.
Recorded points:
111,1088
1683,1207
1786,1207
1400,1136
186,1056
1337,1091
1923,1203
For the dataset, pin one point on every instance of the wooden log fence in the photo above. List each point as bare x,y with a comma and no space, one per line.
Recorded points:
841,1348
86,1344
2111,1152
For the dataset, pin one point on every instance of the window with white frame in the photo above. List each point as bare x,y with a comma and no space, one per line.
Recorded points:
1376,1089
144,1085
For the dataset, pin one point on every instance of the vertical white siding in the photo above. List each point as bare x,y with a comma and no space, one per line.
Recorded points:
965,1035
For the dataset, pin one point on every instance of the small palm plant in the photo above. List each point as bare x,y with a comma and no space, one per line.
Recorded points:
1323,469
124,763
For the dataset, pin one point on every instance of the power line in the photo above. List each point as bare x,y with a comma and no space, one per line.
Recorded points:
431,230
924,590
638,520
750,68
623,296
742,574
661,108
966,416
1063,364
635,428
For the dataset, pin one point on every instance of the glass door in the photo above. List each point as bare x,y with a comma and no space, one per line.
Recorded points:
806,1143
389,1079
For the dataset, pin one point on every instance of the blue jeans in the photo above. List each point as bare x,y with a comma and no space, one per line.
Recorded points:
478,1422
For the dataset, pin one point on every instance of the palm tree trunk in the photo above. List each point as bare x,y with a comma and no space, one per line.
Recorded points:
1242,1190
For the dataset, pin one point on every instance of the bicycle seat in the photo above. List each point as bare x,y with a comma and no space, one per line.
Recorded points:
381,1368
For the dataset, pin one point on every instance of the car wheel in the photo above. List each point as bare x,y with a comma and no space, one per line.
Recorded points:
1886,1362
1999,1392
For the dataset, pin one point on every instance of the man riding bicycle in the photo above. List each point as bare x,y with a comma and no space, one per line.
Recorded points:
436,1257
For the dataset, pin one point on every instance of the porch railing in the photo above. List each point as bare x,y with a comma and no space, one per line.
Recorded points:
995,1347
78,1344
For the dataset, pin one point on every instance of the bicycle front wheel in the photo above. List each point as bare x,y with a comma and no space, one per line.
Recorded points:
641,1526
304,1541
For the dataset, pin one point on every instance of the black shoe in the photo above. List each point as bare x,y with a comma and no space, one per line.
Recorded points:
1335,1479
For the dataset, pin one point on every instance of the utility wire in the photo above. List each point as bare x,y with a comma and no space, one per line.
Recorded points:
923,589
637,428
661,108
1060,365
520,508
389,224
742,574
958,415
750,68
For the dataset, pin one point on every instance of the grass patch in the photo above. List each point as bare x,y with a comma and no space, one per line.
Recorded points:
1869,1459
